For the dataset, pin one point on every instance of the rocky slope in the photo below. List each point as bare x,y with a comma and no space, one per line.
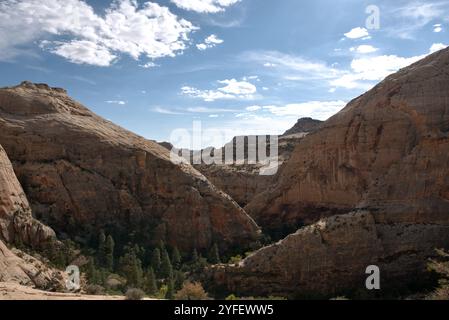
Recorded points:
18,226
384,157
82,173
304,125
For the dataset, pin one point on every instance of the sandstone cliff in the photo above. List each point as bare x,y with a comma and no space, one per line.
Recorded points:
385,157
82,173
306,125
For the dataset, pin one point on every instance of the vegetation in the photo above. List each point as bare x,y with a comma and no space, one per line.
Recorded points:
134,294
191,291
441,267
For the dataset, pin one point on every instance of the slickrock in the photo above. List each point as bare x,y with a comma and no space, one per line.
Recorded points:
21,268
82,173
16,222
385,157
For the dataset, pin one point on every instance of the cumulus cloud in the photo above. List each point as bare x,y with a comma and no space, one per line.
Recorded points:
210,42
321,110
357,33
205,6
362,49
437,47
126,27
232,89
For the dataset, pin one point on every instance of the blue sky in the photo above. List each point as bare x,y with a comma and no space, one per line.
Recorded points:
244,66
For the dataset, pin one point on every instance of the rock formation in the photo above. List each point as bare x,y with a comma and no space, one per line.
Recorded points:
304,125
16,222
82,173
385,159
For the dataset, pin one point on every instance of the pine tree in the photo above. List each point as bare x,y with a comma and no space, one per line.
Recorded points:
150,282
131,268
194,256
176,259
214,255
166,266
171,289
156,260
179,279
101,250
109,253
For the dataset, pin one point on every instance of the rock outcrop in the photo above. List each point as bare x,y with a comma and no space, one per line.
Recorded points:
385,157
304,125
19,267
16,222
82,173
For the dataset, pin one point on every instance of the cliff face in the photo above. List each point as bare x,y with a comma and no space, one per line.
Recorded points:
385,157
16,221
387,148
18,226
82,173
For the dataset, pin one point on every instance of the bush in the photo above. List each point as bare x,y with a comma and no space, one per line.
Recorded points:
191,291
94,289
235,260
135,294
441,267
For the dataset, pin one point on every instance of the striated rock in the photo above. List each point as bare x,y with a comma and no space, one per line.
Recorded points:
304,125
16,222
387,148
385,156
23,269
329,258
82,173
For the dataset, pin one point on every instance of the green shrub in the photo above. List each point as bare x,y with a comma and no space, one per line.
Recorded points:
135,294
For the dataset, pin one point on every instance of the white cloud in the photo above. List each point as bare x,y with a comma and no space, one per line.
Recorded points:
416,15
210,42
205,6
253,108
209,110
213,116
126,27
357,33
321,110
437,47
364,49
166,111
437,28
233,89
269,65
119,102
149,65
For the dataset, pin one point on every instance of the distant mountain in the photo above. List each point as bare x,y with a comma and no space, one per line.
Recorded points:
306,125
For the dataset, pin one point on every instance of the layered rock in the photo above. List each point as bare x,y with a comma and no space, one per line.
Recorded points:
19,267
82,173
385,157
16,222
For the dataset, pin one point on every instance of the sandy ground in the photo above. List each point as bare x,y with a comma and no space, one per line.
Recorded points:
13,291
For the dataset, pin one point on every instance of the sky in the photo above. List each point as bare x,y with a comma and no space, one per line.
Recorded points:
234,66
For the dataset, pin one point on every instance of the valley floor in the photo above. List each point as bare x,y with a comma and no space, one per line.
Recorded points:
13,291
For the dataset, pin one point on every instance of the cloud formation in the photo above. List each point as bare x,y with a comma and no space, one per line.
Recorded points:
128,28
357,33
210,42
232,90
205,6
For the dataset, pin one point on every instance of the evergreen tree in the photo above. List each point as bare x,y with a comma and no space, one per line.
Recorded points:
171,289
109,253
194,256
179,279
91,272
150,282
214,255
131,268
166,266
156,260
176,259
101,250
